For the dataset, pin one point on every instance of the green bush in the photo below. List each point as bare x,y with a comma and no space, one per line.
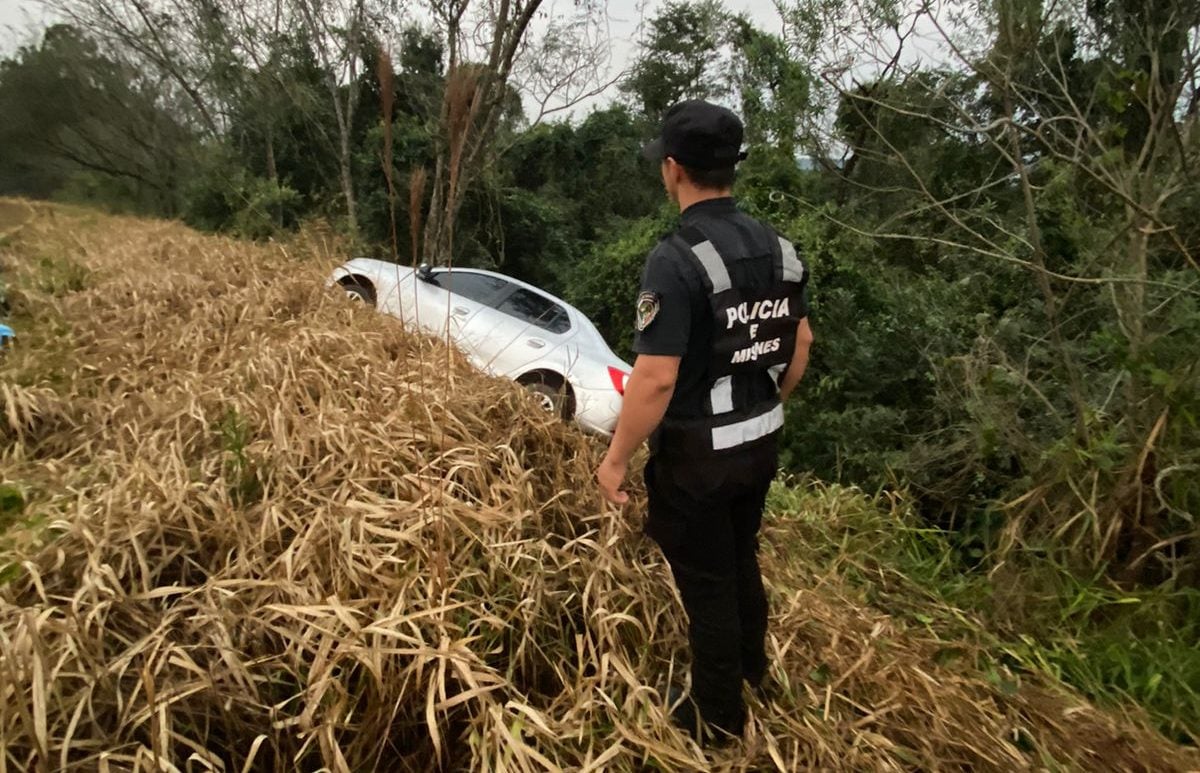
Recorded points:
224,196
605,284
1114,645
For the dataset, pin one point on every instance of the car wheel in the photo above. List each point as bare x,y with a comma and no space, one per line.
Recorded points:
359,293
552,399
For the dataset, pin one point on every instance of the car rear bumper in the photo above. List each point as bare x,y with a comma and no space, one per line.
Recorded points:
596,410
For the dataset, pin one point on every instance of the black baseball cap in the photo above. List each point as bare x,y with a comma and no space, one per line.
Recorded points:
699,135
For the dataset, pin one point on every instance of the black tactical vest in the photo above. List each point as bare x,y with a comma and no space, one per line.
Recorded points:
754,333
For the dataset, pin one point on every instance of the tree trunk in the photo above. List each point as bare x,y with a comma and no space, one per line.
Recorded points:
344,117
433,249
273,176
272,172
459,155
1041,276
343,112
348,185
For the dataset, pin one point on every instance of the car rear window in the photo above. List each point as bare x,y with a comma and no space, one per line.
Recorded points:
537,310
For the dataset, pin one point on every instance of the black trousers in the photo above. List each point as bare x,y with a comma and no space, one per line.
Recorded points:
705,515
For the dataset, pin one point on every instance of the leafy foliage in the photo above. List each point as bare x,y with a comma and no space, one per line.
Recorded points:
1112,644
1005,291
70,110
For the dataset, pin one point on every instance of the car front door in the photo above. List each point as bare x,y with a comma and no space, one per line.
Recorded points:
447,300
524,327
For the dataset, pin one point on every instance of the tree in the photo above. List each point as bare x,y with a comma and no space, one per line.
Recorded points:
773,88
157,37
679,58
70,108
338,31
234,63
1053,156
479,97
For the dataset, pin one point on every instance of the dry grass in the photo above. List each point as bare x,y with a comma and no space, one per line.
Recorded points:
13,214
240,485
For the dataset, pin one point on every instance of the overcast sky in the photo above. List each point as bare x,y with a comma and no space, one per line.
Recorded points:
17,19
20,19
625,17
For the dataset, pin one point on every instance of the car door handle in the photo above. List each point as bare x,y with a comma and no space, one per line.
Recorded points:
461,311
536,343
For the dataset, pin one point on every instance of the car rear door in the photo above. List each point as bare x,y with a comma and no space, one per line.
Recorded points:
525,326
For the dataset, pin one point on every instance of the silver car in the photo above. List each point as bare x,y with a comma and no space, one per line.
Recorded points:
505,327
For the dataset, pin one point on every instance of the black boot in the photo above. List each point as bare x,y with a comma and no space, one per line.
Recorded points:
686,715
765,689
684,712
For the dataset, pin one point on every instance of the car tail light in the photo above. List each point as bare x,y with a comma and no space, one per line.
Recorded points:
618,379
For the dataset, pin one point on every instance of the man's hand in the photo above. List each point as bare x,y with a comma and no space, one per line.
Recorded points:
611,475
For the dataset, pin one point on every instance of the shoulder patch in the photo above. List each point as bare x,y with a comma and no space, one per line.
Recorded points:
648,304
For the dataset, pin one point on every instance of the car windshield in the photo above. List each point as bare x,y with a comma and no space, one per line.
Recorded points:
480,288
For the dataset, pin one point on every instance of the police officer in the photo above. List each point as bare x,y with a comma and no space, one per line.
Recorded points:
722,340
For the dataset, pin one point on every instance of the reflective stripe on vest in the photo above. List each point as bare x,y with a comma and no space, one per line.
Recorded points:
734,435
793,269
721,396
710,259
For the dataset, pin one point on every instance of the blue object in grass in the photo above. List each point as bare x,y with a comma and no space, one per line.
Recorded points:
6,335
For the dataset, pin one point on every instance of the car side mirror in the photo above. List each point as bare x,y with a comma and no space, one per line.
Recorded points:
425,272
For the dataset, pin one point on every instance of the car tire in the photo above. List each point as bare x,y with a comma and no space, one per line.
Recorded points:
553,399
359,292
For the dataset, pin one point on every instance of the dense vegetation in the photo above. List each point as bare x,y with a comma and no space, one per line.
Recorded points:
319,542
993,197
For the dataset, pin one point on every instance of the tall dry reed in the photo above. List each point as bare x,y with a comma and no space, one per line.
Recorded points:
236,478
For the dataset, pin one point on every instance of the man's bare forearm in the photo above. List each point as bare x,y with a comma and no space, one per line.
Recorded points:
642,410
647,395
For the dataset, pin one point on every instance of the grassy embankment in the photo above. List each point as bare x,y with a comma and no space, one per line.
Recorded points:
251,527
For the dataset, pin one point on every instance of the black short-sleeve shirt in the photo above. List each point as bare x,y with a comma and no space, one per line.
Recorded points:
682,324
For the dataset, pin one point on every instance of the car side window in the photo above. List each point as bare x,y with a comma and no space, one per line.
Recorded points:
480,288
537,310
